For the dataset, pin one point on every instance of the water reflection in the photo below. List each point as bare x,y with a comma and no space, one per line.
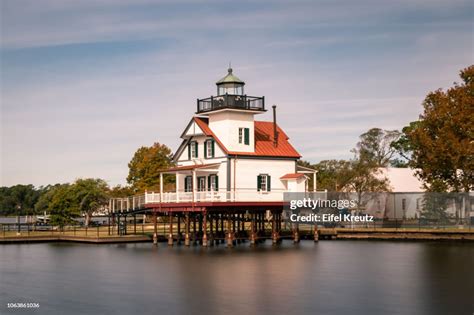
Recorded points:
332,277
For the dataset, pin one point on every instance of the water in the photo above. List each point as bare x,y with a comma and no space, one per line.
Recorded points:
331,277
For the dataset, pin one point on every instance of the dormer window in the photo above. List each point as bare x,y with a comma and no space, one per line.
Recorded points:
244,136
193,150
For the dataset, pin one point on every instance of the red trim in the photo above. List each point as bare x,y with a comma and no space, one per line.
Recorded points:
264,144
208,132
209,206
292,176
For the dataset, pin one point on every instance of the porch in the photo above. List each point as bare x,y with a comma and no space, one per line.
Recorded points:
201,191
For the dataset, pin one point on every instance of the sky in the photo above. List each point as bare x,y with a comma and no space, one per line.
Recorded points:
86,83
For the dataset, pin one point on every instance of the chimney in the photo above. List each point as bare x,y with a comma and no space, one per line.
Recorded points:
275,133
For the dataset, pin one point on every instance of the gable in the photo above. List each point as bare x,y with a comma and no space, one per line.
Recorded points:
192,129
264,145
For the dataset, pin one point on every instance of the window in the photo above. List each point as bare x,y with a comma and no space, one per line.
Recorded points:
263,182
212,183
209,149
201,183
192,150
244,136
188,184
417,203
404,204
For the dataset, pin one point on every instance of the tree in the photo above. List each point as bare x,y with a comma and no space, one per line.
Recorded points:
364,178
66,202
121,191
90,195
332,174
47,193
375,146
434,207
18,200
63,206
403,144
145,165
440,146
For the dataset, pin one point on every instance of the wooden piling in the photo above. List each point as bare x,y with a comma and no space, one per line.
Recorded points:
204,226
170,230
229,230
253,236
155,228
186,232
316,233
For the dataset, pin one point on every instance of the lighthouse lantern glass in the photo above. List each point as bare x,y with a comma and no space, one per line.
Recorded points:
231,89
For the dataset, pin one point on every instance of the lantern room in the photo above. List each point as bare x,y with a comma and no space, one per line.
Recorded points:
230,84
230,95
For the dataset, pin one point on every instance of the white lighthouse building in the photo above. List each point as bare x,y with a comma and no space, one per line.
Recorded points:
227,155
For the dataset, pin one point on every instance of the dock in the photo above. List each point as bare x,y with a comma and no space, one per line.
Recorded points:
397,234
74,239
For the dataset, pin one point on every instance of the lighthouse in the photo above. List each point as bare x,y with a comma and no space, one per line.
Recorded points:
232,171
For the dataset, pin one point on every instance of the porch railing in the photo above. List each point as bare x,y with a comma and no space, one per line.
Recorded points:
240,195
221,195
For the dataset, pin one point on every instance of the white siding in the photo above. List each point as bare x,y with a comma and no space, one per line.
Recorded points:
296,185
248,169
221,172
194,129
183,158
225,126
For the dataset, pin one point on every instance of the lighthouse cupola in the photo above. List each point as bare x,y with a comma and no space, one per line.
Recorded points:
230,84
231,96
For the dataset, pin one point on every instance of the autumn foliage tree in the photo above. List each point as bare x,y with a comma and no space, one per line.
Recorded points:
440,145
145,166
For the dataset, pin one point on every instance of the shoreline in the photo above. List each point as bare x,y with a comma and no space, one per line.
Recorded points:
323,235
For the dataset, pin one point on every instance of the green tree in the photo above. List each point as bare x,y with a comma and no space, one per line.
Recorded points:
121,191
66,202
145,165
434,207
362,175
364,178
375,146
404,146
332,174
18,200
63,206
47,193
90,195
440,146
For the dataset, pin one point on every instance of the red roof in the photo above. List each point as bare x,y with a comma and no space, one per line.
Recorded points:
202,123
292,176
263,140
